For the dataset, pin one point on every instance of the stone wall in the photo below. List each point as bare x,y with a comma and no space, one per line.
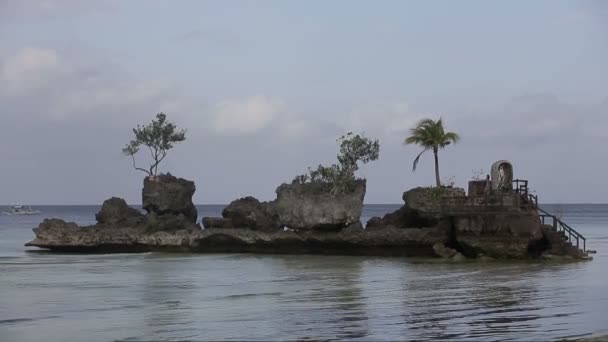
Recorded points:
427,201
496,202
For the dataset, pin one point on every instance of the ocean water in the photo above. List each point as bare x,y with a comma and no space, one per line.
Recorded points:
186,297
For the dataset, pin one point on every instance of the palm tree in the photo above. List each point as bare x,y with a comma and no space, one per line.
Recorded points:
430,135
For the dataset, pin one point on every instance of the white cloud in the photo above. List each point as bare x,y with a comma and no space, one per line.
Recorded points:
39,82
29,68
245,116
389,120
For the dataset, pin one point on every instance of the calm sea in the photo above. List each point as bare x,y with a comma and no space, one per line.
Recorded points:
182,297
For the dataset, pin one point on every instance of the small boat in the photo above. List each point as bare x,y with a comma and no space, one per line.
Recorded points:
21,210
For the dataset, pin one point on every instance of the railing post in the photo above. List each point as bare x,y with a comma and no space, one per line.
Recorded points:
554,223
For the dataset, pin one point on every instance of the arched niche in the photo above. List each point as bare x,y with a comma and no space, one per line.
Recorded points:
502,176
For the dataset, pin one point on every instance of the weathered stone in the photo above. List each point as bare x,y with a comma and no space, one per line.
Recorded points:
168,223
311,206
501,235
166,194
115,210
502,176
446,252
350,241
250,213
556,246
500,202
217,222
427,201
477,187
404,217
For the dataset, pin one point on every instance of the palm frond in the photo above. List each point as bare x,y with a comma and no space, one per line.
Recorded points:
418,159
451,137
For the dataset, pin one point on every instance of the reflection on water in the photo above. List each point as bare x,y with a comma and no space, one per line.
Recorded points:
171,297
193,297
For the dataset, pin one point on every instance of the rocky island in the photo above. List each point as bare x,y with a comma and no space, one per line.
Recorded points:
320,212
307,218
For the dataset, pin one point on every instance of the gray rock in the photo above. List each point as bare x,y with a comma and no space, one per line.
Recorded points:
427,201
250,213
498,235
166,194
217,222
404,217
311,206
446,252
353,240
116,211
168,223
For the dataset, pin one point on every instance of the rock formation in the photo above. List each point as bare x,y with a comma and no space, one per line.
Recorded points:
168,195
250,213
497,225
116,211
169,224
434,222
307,206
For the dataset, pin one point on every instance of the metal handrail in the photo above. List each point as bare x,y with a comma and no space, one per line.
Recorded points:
561,226
521,188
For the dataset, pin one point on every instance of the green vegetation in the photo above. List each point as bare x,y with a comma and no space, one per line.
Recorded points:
430,135
435,193
159,136
340,177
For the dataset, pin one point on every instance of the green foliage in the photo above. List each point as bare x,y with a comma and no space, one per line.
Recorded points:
430,135
341,176
159,136
435,193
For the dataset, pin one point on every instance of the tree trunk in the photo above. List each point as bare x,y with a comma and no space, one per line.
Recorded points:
436,152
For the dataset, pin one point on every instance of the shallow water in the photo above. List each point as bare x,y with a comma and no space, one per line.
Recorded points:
173,297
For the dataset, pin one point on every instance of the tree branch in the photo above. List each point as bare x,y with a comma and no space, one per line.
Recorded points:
138,168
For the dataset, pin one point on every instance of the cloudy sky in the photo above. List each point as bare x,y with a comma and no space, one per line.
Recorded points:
265,87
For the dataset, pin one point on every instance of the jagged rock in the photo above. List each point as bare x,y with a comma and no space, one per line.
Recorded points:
166,194
217,222
168,223
375,223
59,235
311,206
116,211
404,217
427,201
498,235
350,241
250,213
446,252
318,222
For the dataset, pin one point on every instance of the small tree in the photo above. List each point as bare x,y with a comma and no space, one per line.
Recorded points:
159,136
341,176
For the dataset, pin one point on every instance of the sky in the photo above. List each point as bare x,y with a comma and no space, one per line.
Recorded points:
264,88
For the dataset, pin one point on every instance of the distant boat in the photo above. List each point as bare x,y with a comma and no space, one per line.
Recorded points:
21,210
